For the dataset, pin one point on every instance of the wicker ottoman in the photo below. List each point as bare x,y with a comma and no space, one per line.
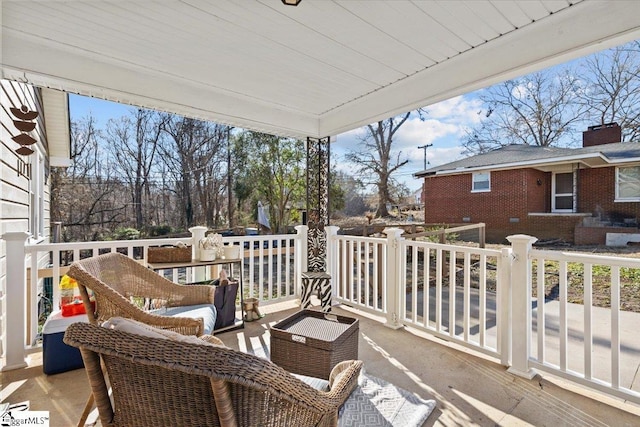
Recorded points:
311,342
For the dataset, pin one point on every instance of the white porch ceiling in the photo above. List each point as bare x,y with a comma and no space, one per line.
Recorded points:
318,69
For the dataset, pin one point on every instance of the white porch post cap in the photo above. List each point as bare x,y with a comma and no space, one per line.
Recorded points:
15,236
522,238
393,231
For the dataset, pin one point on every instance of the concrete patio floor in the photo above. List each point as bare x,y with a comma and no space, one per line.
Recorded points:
470,389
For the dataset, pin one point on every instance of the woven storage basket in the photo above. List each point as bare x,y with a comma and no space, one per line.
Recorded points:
306,343
169,254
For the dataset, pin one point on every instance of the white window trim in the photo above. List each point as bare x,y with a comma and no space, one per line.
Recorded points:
473,182
554,194
617,198
36,196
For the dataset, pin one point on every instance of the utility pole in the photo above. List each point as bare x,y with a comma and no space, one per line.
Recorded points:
424,147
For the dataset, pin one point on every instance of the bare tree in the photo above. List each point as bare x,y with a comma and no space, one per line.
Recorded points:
375,159
612,89
84,196
537,109
194,157
133,142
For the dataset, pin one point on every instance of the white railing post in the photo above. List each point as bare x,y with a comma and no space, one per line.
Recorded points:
503,306
332,260
520,286
300,254
13,344
393,279
197,234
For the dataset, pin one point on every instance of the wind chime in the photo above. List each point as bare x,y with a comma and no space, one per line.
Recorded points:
24,124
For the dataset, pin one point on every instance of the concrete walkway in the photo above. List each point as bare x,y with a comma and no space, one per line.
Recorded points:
601,332
470,390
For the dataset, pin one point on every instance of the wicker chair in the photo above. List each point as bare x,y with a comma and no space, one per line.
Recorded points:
158,381
119,282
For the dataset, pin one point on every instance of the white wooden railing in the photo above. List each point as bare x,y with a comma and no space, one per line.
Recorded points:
455,293
268,274
589,346
477,298
426,286
482,299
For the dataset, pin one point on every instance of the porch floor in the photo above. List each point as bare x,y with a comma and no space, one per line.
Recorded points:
469,389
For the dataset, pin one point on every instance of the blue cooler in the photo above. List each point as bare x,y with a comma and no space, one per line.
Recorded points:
58,357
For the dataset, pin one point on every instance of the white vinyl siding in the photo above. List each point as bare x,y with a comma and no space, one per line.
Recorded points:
481,182
628,184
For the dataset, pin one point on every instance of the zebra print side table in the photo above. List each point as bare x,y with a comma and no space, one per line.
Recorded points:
320,281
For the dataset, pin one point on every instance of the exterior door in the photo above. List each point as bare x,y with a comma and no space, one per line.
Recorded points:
563,189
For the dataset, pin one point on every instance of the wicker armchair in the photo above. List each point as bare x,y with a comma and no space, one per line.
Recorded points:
157,381
120,285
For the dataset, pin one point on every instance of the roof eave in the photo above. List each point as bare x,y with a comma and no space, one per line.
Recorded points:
538,163
57,124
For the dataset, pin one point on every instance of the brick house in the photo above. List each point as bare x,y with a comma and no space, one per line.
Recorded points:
578,195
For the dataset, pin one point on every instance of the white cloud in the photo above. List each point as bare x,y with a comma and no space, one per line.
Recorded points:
418,132
461,109
443,126
440,156
435,156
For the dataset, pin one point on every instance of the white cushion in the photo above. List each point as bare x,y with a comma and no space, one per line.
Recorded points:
134,327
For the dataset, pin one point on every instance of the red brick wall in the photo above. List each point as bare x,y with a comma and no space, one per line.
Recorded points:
598,235
516,193
552,227
539,194
596,195
505,209
450,200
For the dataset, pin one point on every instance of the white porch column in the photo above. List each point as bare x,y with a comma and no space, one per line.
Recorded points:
393,277
197,234
14,337
520,285
300,254
332,260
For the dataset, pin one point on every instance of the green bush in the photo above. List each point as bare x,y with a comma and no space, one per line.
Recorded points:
128,233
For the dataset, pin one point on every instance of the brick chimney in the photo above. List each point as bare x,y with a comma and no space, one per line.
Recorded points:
602,134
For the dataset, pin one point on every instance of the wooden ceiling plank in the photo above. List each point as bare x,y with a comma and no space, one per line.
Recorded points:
314,42
490,15
534,9
467,18
512,12
346,25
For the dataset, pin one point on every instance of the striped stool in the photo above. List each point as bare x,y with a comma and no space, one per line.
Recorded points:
320,281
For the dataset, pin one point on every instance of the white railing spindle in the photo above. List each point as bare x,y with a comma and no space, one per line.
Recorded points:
615,326
588,316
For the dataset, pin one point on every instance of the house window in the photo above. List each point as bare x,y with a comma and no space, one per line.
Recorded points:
481,182
628,183
563,194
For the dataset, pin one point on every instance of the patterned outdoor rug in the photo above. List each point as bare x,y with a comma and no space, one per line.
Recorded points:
376,402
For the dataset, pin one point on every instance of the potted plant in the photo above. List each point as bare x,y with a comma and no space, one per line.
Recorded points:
211,247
